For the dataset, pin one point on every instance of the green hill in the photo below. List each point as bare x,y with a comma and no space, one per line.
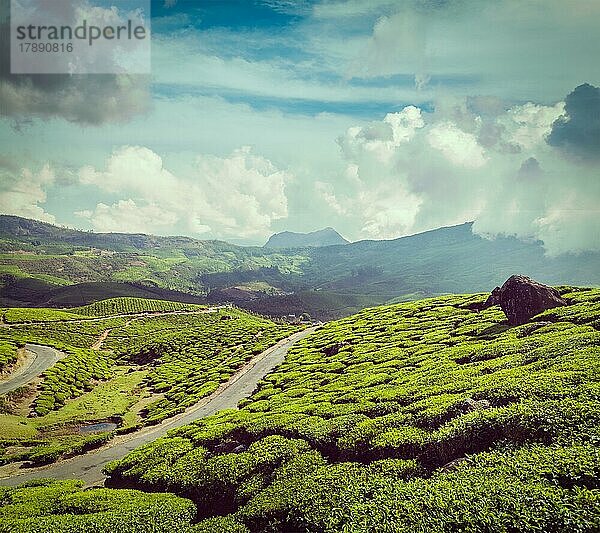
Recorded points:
290,239
423,416
116,306
128,369
43,265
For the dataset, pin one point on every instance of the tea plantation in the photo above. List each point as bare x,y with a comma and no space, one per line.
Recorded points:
425,416
130,369
62,507
117,306
191,355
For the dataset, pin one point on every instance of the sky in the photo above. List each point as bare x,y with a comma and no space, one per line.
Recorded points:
379,118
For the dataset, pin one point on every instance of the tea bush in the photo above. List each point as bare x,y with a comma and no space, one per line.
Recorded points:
118,306
179,358
421,416
191,355
70,377
63,507
8,353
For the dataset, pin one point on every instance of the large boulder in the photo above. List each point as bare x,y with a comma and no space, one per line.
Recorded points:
522,298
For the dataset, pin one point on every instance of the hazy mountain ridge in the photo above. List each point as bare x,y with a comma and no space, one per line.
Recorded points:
326,281
289,239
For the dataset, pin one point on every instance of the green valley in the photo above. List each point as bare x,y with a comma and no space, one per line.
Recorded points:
127,362
45,266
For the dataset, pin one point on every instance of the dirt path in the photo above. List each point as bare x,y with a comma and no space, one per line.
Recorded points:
98,344
89,466
39,359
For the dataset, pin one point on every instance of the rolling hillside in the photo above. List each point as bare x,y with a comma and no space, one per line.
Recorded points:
128,362
43,265
289,239
421,416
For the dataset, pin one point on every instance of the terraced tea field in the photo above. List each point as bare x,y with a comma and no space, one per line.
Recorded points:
127,361
425,416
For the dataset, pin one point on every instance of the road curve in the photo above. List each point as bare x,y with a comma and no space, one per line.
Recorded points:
42,358
88,467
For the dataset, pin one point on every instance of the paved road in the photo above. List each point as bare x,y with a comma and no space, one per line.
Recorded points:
40,358
89,466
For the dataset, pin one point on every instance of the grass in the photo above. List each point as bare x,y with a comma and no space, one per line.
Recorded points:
63,507
58,429
106,400
16,427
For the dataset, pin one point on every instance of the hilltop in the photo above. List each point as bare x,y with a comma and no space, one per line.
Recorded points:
44,265
289,239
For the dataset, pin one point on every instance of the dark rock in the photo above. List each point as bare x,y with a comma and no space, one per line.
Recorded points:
521,298
453,465
334,349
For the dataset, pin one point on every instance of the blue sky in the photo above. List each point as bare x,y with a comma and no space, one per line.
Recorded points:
377,117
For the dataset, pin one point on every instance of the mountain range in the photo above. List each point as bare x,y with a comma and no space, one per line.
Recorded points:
290,239
42,264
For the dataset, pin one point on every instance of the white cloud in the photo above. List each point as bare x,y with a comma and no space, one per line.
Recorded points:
528,125
246,192
382,138
439,173
127,216
21,194
459,147
135,169
239,195
566,228
326,192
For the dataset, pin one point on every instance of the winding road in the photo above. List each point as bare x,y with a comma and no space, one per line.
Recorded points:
88,467
39,359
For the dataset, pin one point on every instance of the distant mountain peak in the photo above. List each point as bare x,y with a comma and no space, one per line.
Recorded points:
289,239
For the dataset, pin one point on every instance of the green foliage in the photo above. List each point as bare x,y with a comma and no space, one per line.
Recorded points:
8,353
121,306
149,367
422,416
31,314
327,282
61,334
63,507
219,524
192,354
70,377
52,451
